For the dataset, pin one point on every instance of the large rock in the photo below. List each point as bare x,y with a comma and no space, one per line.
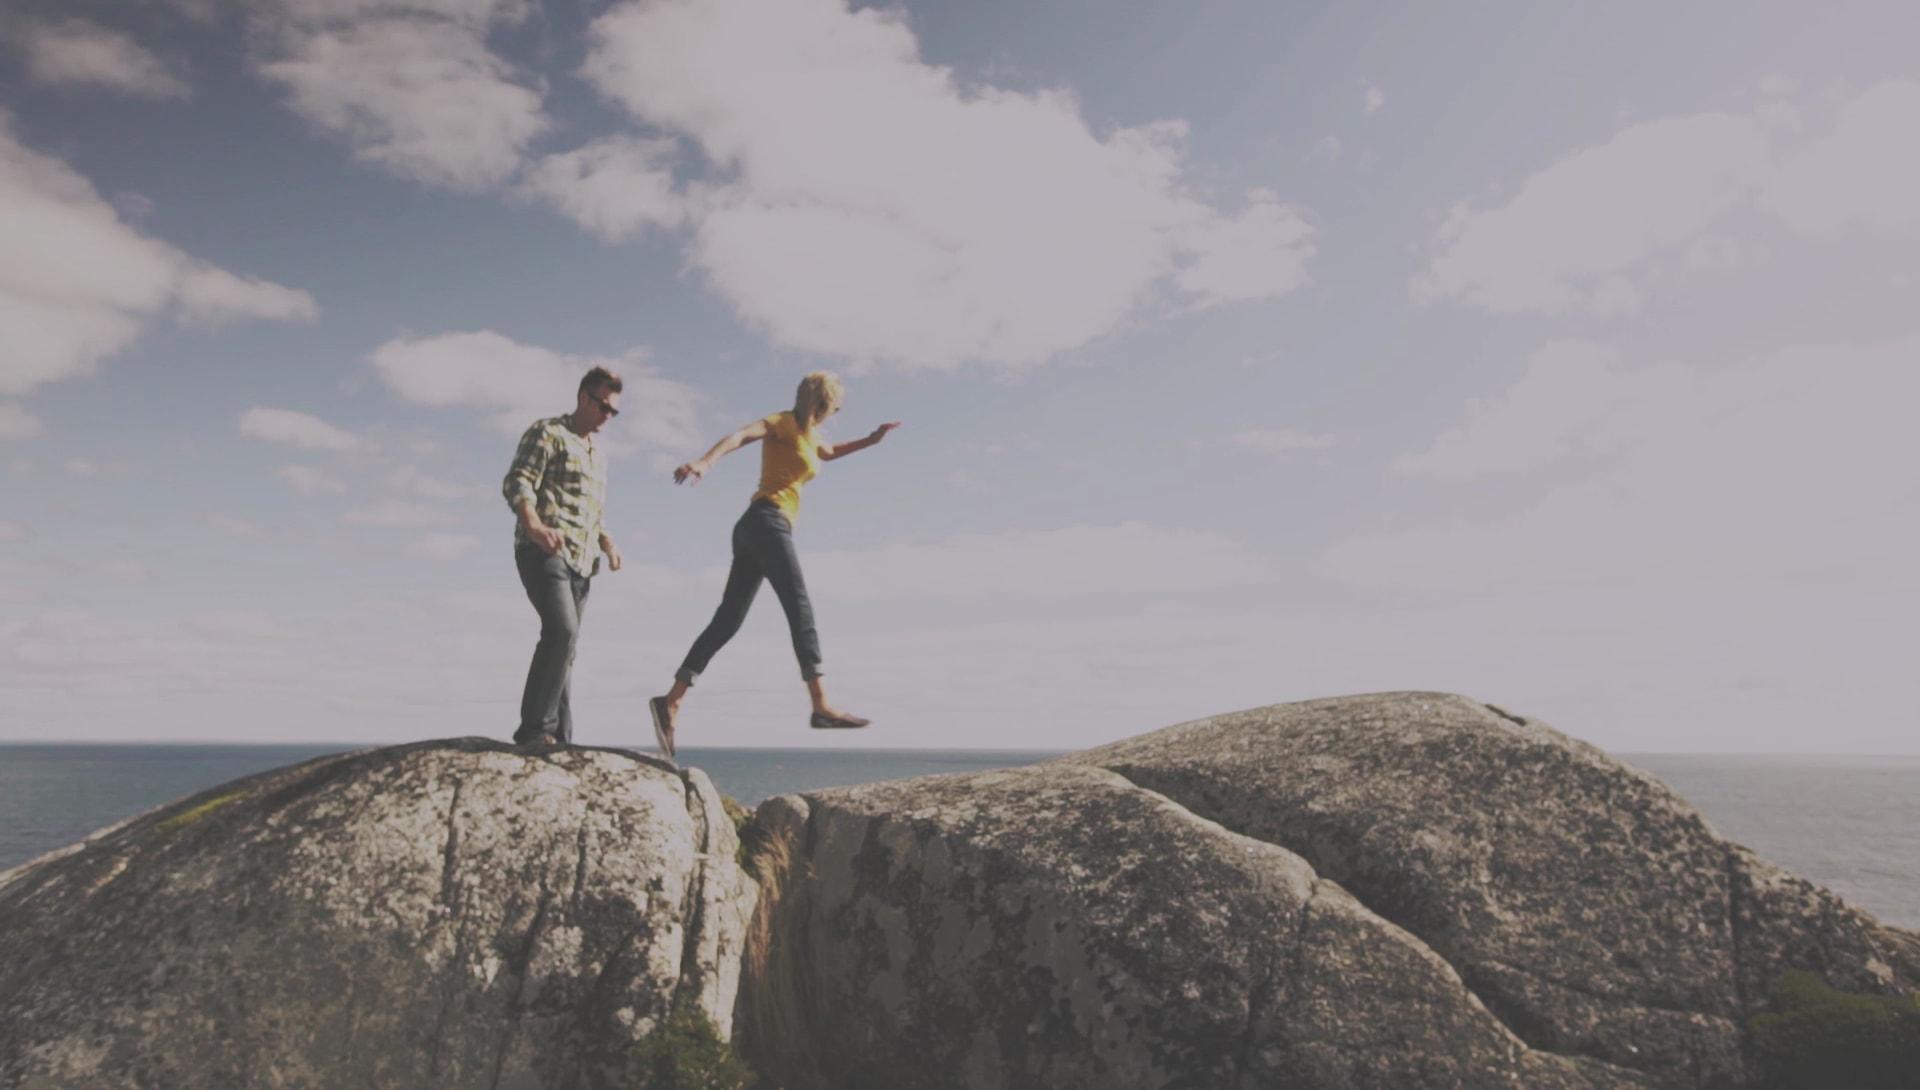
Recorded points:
1583,902
1397,891
1400,890
1062,928
444,914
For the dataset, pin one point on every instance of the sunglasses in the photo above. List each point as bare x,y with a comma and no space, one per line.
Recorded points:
605,406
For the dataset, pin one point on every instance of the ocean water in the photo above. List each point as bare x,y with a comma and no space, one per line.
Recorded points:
1851,824
53,795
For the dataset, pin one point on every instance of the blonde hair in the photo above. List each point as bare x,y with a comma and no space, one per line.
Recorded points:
820,393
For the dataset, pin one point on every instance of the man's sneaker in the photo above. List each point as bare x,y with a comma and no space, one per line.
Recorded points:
662,725
539,742
823,721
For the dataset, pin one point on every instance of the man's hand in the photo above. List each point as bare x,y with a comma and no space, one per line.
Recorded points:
613,553
548,538
692,471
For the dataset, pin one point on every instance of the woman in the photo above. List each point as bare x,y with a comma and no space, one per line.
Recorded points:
791,451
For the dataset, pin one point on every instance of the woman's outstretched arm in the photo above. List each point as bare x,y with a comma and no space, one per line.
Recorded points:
830,451
696,469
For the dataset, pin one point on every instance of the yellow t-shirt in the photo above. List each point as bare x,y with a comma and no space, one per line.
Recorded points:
789,458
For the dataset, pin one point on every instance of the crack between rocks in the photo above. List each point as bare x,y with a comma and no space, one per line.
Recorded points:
601,987
579,873
783,1019
521,963
1298,967
1505,714
448,891
1737,936
693,910
1300,953
449,894
1265,992
1590,993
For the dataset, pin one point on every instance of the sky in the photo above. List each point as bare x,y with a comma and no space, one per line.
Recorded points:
1562,355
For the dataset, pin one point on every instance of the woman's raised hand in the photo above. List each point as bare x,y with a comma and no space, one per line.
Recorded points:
880,432
692,471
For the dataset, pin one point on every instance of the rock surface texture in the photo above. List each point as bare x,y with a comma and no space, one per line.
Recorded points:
433,915
1397,890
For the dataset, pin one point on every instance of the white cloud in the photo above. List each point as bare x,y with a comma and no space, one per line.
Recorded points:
233,526
446,547
1792,467
1280,440
80,53
297,429
76,283
660,411
237,625
870,206
517,384
1574,395
614,187
1574,231
1374,99
207,294
1260,254
1583,233
1713,253
309,481
1327,151
1126,559
408,85
128,571
409,479
17,423
1864,175
1013,566
200,11
395,513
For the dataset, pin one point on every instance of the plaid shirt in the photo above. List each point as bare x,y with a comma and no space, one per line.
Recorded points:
565,477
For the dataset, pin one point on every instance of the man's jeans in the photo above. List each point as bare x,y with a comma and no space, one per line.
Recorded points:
762,549
559,595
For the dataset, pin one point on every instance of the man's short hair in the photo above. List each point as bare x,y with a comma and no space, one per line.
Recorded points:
600,379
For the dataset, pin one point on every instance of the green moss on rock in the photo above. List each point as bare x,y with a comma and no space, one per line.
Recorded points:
751,837
1819,1038
187,817
687,1053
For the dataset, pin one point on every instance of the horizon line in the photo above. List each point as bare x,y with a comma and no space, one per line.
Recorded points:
364,745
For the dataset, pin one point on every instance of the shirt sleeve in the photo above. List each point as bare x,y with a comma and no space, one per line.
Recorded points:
529,466
600,511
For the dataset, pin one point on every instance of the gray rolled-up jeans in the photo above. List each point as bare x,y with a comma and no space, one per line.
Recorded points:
559,595
762,550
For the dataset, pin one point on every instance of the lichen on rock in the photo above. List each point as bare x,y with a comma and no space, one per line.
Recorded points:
1396,890
440,914
1401,889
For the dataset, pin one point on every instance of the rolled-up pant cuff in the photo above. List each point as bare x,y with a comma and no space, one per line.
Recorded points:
686,677
808,673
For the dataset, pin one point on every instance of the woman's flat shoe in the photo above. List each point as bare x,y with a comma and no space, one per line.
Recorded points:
662,725
821,721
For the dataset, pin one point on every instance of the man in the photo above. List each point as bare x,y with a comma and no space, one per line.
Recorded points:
557,487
